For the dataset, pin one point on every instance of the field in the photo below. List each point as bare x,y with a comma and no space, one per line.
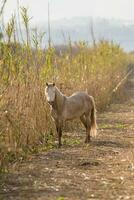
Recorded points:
31,166
104,169
25,123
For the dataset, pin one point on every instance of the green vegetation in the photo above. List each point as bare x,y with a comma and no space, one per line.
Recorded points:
61,198
25,124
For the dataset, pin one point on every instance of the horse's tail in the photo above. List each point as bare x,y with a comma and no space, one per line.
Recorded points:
93,120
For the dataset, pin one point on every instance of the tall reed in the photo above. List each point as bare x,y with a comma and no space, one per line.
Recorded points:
25,123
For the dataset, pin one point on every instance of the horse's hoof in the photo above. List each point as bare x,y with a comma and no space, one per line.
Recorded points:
87,141
59,145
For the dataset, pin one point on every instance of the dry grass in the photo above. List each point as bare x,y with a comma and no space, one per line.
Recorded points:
25,123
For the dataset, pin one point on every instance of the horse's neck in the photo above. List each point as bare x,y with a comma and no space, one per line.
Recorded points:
59,100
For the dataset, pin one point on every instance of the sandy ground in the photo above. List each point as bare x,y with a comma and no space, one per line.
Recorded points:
103,169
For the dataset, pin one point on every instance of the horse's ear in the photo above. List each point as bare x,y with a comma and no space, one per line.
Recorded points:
53,84
46,84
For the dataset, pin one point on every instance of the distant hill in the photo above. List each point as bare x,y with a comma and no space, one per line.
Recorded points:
79,28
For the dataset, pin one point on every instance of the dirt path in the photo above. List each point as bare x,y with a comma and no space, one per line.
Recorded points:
101,170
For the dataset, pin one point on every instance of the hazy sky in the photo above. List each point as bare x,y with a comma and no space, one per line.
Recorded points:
118,9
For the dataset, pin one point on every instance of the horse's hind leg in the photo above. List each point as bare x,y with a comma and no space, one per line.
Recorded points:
83,120
87,123
88,129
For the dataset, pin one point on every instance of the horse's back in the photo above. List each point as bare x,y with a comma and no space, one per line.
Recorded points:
81,96
77,104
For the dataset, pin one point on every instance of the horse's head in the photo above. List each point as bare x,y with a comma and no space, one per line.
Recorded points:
50,92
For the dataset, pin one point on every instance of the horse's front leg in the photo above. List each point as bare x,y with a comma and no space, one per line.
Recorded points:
59,132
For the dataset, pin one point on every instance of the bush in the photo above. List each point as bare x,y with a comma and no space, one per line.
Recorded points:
25,124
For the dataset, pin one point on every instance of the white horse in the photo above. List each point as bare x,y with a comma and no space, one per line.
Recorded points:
78,105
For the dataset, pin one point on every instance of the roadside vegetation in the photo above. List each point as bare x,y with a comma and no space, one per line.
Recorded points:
25,124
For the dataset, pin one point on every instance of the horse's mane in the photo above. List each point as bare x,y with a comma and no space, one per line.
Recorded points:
58,90
59,100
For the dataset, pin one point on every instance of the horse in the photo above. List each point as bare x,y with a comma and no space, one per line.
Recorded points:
78,105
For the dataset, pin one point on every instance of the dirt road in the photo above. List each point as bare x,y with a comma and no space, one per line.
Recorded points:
101,170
